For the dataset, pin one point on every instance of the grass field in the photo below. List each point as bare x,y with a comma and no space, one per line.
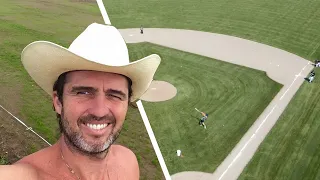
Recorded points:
291,25
22,22
233,96
292,148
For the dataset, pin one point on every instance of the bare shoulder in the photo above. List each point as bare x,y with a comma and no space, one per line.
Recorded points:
18,171
124,155
40,158
26,168
37,163
119,150
126,159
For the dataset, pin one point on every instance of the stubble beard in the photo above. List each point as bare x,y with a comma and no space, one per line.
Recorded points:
76,140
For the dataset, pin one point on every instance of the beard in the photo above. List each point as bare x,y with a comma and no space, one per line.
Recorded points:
76,140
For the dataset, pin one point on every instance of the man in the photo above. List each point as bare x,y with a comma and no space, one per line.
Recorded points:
141,29
202,119
317,63
91,84
311,76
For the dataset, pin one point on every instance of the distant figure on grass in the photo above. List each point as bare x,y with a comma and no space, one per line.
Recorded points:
317,63
311,76
202,119
141,29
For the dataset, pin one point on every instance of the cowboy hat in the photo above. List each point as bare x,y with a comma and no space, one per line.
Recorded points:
98,48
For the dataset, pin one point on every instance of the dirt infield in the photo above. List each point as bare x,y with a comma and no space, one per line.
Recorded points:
159,91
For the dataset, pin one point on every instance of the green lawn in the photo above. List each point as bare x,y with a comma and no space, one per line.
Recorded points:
292,148
233,96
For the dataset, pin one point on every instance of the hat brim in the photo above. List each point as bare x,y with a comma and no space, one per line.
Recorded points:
46,61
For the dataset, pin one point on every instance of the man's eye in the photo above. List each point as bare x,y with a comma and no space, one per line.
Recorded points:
83,92
114,96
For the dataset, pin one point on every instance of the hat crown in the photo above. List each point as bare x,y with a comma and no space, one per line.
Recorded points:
101,44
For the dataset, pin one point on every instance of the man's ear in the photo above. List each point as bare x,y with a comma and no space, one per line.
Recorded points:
56,102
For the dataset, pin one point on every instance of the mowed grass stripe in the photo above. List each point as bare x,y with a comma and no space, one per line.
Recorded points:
233,96
292,148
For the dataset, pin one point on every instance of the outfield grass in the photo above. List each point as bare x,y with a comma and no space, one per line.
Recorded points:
233,96
292,148
292,25
22,22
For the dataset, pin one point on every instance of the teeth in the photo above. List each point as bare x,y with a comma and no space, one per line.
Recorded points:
97,127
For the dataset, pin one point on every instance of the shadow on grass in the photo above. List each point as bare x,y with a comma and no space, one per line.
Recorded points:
307,79
195,117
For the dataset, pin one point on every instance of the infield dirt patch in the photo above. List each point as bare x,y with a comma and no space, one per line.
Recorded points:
159,91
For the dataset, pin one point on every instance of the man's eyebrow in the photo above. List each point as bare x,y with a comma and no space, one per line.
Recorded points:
83,88
118,92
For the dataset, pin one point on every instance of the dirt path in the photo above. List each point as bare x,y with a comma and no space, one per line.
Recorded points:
281,66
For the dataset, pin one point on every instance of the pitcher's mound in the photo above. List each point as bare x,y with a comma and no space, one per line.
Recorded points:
159,91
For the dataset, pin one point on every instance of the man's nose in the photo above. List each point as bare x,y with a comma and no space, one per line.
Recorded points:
100,106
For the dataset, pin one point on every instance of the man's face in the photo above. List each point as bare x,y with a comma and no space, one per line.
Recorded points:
93,109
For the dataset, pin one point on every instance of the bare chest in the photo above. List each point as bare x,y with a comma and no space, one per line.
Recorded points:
66,174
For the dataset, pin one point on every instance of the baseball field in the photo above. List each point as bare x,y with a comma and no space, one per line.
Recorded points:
233,95
289,25
291,150
225,91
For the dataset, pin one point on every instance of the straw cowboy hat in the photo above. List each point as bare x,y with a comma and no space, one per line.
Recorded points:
98,48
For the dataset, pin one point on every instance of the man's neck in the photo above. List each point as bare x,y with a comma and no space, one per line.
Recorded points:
84,166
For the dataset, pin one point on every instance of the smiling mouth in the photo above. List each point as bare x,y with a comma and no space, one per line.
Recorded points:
97,126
